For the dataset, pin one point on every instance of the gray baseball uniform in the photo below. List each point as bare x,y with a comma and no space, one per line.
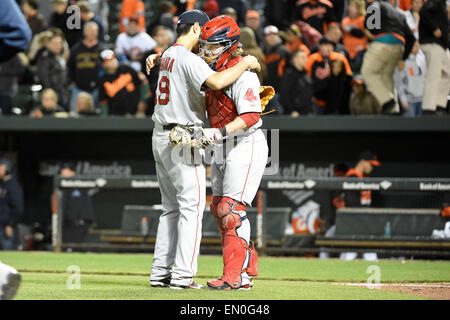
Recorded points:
237,170
182,185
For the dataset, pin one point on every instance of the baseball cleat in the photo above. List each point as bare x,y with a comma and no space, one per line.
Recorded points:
247,286
160,283
9,282
193,285
219,284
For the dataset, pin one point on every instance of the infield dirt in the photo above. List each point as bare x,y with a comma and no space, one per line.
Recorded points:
438,291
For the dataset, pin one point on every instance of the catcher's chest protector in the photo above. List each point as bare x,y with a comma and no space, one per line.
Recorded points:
221,109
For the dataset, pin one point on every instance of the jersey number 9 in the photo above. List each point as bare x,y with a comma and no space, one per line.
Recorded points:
163,97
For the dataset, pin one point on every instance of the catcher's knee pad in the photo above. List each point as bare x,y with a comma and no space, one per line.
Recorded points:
230,212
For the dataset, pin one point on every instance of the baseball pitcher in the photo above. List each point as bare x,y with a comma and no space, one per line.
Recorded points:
179,101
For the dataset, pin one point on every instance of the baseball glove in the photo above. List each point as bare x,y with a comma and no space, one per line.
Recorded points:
266,93
194,137
181,136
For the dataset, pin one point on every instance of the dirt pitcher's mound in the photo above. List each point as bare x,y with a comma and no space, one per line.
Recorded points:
439,291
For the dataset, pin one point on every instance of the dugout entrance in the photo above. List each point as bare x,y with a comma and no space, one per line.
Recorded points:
358,229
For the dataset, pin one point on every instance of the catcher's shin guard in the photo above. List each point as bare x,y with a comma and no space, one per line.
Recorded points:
235,242
252,269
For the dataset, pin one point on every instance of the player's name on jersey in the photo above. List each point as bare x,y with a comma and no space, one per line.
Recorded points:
166,64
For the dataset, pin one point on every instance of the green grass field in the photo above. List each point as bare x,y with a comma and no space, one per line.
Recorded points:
126,276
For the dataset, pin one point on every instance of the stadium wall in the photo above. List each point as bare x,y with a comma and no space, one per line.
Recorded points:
309,146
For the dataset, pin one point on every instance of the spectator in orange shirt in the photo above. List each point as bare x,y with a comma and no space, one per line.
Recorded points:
119,87
354,38
277,57
293,39
319,14
405,4
132,9
334,34
318,67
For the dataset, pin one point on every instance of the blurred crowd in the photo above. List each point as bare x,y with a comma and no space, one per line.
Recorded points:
322,56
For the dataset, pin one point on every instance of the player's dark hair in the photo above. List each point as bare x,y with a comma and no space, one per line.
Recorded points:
183,29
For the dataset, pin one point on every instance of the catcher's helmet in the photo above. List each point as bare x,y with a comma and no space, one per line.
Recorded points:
220,30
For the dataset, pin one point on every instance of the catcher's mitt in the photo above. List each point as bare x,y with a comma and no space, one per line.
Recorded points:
266,93
181,136
194,137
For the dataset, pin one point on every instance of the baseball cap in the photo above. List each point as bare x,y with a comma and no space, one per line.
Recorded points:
357,79
369,156
324,40
193,16
229,10
270,29
133,19
106,55
211,8
67,165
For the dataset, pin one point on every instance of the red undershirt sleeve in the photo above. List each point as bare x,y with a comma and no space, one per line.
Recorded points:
250,118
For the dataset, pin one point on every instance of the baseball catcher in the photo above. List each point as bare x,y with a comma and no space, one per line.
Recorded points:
240,151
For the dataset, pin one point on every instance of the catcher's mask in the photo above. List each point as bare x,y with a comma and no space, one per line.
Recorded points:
222,31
